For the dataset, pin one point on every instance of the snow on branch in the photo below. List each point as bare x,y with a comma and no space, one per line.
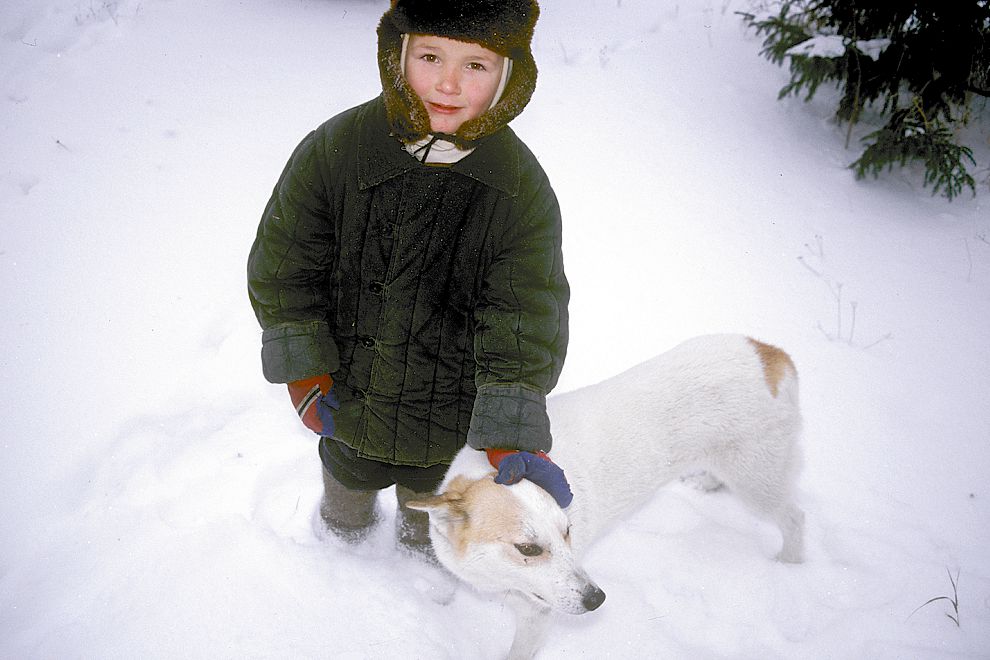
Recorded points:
834,45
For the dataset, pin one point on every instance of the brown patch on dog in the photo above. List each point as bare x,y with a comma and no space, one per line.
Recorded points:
476,511
776,364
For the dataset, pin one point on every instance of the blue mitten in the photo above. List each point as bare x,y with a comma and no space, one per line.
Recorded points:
325,406
538,468
315,401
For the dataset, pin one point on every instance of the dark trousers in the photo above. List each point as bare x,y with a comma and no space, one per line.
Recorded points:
351,484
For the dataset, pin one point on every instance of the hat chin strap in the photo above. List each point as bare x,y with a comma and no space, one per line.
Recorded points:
436,149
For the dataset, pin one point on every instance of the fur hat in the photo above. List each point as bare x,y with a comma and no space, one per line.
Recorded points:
502,26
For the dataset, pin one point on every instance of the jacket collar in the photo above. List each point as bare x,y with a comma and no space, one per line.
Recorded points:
381,156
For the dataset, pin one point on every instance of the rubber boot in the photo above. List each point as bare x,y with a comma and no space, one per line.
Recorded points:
348,514
412,527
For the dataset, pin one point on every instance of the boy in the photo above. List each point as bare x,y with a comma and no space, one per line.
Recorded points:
407,270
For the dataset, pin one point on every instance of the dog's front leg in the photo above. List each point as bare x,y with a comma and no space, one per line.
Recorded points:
532,621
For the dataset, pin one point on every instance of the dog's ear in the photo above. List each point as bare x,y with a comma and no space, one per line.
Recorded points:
447,507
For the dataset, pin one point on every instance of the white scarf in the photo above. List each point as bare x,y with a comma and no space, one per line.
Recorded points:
435,150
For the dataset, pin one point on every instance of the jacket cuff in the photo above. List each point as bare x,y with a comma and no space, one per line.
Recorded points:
293,351
510,417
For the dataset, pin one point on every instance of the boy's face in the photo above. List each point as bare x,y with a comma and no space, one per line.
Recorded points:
455,80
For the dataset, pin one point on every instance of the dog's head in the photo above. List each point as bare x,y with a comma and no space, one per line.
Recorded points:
501,538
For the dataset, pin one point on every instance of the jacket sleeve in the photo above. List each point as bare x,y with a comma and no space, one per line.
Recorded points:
521,331
288,267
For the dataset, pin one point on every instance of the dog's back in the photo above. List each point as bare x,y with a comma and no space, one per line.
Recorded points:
726,404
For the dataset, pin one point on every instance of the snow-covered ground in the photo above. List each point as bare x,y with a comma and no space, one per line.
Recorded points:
157,494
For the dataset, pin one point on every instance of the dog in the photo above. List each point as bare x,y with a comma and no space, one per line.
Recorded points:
725,406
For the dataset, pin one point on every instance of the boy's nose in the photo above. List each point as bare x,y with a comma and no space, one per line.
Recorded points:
449,82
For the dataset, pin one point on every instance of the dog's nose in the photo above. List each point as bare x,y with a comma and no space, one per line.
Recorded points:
593,598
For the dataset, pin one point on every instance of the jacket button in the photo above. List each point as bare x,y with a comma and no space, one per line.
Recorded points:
376,288
368,342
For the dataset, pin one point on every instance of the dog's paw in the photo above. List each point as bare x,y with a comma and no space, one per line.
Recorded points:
789,557
436,583
703,481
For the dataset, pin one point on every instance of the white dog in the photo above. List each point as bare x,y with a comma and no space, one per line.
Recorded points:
724,404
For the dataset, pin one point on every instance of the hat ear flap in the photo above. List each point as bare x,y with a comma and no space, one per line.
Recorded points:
406,113
518,91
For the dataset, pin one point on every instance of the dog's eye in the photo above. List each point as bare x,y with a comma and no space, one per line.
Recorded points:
529,549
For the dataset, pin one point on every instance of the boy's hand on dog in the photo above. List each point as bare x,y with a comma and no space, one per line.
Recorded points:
315,402
513,466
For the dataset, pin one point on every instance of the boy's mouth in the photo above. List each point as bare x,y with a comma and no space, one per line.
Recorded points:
444,109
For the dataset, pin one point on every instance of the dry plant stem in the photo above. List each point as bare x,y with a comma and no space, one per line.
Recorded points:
852,323
969,255
835,288
805,263
954,600
837,292
880,340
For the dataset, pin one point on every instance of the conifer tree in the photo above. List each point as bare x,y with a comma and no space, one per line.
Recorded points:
921,63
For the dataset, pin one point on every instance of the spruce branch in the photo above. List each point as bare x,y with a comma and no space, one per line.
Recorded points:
912,136
931,56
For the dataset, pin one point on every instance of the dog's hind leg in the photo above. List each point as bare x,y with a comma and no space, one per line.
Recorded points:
790,520
774,502
532,621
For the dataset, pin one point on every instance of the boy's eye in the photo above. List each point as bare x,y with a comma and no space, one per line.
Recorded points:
477,66
529,549
428,57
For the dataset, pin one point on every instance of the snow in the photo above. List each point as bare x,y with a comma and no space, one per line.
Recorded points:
824,45
832,45
158,495
873,48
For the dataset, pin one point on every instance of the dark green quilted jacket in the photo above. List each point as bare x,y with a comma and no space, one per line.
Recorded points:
434,296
